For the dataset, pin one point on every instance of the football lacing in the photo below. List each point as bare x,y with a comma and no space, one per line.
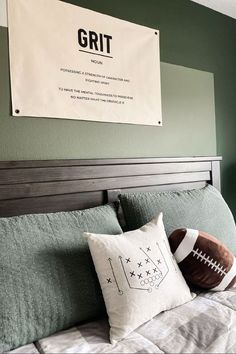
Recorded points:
217,267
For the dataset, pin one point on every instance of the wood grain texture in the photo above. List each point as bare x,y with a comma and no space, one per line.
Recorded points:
70,173
94,162
51,204
87,185
57,185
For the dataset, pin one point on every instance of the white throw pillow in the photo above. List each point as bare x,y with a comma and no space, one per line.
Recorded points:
138,275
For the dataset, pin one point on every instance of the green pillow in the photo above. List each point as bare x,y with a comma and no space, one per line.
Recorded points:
201,209
47,278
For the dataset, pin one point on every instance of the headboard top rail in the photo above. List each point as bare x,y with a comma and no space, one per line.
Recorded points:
95,162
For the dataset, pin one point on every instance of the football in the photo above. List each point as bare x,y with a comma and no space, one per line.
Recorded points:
204,260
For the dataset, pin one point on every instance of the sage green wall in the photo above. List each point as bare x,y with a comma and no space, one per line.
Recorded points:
191,36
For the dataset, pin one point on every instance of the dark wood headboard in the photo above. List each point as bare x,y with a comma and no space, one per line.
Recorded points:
60,185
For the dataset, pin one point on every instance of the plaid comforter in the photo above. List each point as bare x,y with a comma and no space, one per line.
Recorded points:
205,325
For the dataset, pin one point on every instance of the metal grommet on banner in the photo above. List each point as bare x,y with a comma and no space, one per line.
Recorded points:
17,111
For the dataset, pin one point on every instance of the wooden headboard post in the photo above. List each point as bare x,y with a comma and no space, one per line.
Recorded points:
215,174
60,185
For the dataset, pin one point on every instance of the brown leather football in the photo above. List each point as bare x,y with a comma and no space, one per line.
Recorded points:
203,259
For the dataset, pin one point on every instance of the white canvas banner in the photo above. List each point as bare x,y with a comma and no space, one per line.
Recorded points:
74,63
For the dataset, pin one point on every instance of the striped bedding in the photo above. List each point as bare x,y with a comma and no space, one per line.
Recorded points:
205,325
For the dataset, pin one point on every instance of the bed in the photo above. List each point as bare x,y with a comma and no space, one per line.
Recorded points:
205,325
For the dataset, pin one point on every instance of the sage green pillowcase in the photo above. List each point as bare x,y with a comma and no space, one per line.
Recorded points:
47,278
201,209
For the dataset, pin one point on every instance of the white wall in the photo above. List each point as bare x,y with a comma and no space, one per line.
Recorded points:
3,13
227,7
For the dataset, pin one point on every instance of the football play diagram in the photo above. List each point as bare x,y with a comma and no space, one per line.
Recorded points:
143,272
